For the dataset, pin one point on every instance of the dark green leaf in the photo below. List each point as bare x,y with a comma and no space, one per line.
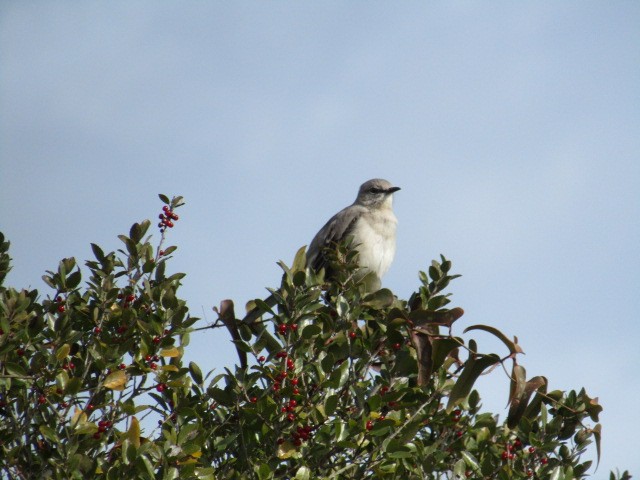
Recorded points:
472,370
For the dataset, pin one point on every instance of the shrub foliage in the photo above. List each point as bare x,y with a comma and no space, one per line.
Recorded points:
341,383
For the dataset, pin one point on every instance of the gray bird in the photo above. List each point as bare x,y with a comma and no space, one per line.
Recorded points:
370,222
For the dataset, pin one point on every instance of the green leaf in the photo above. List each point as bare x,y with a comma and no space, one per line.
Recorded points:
144,465
512,345
97,251
300,260
74,279
164,198
49,433
330,405
381,299
15,369
556,473
73,385
195,372
340,375
473,368
471,461
311,331
441,347
303,473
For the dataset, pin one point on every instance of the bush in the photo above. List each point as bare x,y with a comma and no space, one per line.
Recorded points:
341,383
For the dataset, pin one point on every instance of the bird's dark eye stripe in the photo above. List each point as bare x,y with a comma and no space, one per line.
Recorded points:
376,190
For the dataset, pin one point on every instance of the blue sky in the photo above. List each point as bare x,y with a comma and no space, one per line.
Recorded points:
513,129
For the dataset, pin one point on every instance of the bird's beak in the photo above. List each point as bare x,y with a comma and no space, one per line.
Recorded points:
393,189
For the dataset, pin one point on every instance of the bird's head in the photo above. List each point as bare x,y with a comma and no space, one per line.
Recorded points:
376,193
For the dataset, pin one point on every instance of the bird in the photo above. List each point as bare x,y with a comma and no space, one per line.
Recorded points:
371,224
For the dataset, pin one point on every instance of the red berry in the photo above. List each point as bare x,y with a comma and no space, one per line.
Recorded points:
352,335
544,460
1,332
282,354
169,223
517,443
153,366
505,455
457,412
294,327
511,456
42,399
156,340
292,403
297,442
254,399
97,330
396,346
529,473
131,298
384,389
282,328
59,299
369,425
61,308
175,216
296,391
532,449
90,407
165,208
102,429
121,329
280,441
291,417
459,433
294,381
96,435
64,404
161,387
20,352
147,358
468,473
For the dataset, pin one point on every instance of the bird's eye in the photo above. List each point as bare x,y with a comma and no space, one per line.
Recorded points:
375,190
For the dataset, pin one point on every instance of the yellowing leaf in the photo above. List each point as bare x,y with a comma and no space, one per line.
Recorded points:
188,460
133,434
116,380
170,352
63,351
286,450
79,418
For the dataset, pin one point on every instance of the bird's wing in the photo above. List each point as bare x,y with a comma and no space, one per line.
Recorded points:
334,231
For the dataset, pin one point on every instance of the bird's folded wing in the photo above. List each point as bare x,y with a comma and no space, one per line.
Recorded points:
340,226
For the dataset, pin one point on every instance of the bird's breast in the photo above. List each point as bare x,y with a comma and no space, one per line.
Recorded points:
376,239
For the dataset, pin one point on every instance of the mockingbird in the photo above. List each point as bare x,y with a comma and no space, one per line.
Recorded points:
371,224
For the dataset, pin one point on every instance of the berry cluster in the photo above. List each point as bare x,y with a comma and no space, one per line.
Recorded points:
151,361
283,328
103,425
167,218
